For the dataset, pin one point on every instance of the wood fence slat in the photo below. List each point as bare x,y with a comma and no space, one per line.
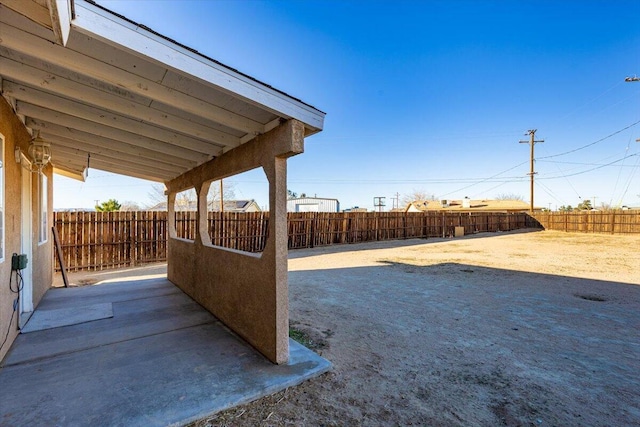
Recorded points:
98,240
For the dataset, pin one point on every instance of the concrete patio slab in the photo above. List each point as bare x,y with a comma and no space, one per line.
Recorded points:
56,318
161,360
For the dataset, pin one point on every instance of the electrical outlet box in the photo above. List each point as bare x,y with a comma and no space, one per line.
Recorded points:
18,262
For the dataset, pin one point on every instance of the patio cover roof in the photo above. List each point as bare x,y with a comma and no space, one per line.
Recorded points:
113,94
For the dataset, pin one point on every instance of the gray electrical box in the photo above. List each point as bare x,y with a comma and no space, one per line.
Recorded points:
19,262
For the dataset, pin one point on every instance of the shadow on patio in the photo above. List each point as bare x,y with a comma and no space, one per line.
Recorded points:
149,356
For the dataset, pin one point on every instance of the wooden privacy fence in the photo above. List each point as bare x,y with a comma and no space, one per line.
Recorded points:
611,222
99,240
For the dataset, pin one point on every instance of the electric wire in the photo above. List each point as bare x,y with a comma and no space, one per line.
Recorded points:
630,180
19,287
584,163
549,192
590,144
568,181
485,180
589,170
411,181
562,119
488,190
626,151
6,336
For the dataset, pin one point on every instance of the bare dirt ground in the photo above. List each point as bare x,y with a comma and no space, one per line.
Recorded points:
515,329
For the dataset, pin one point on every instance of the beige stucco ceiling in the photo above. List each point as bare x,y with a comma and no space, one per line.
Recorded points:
133,102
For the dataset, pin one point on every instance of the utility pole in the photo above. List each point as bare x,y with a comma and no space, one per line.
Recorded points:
532,141
221,197
378,202
396,200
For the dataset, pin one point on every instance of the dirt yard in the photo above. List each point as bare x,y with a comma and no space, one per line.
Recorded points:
515,329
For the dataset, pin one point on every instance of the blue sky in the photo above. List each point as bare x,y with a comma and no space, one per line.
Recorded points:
429,96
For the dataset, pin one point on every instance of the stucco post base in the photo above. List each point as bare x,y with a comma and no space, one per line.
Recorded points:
247,292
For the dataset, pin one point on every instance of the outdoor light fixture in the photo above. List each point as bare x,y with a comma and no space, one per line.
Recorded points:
40,152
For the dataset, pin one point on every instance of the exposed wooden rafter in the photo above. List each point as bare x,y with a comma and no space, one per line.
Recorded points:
141,104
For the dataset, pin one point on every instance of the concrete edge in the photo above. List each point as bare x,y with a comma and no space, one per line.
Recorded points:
67,316
298,354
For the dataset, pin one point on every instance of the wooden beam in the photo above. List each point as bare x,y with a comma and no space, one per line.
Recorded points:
118,167
69,158
20,41
284,141
77,174
114,101
108,153
100,24
46,115
132,174
96,115
81,139
32,10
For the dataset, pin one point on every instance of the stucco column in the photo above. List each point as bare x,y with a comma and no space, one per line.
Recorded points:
276,171
247,292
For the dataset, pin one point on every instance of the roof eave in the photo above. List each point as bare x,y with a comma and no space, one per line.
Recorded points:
96,21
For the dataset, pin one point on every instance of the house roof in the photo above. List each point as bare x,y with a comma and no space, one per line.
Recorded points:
474,205
294,199
214,206
115,95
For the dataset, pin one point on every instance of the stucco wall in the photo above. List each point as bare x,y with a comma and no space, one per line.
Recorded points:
247,292
41,260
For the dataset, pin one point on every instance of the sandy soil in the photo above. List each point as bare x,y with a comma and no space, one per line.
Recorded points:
531,329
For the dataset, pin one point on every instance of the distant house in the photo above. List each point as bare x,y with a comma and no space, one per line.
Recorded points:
236,206
313,204
213,206
468,205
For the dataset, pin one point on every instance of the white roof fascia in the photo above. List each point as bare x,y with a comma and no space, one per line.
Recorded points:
60,11
69,173
97,23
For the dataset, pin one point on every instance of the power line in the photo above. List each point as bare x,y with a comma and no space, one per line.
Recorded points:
626,151
490,179
549,192
592,169
474,181
490,189
562,119
580,163
633,172
590,144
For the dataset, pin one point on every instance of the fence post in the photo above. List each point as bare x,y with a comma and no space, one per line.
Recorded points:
133,245
312,230
613,222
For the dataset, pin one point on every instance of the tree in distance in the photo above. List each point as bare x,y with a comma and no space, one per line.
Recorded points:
416,195
585,205
188,197
110,205
509,196
129,206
